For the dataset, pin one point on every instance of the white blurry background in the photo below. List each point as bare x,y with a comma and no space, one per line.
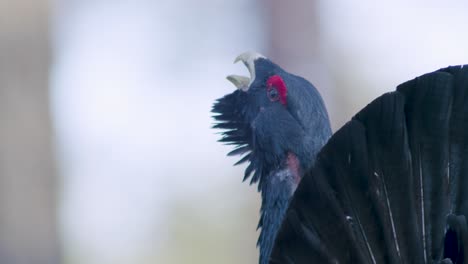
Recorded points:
141,176
132,87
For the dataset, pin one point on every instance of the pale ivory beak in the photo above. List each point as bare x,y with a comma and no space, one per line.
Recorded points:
242,82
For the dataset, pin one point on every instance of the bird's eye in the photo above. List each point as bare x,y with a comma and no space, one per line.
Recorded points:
276,89
273,94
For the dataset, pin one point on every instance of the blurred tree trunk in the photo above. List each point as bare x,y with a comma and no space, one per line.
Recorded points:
293,32
28,219
295,43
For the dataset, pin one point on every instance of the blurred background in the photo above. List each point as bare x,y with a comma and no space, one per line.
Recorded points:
106,151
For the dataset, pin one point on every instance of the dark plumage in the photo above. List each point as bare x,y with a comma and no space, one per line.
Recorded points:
391,185
279,122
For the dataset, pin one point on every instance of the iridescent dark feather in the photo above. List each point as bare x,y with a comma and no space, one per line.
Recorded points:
391,186
230,115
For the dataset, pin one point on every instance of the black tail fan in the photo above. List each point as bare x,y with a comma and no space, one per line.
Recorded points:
391,186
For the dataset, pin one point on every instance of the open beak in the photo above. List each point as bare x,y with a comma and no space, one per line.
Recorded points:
242,82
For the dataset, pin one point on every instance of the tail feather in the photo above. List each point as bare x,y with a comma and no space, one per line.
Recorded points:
428,112
391,186
389,171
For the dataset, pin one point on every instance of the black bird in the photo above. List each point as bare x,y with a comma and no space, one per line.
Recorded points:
279,121
388,187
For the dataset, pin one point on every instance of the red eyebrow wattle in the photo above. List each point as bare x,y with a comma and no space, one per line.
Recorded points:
277,81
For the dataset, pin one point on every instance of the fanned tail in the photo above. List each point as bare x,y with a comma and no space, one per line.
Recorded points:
391,186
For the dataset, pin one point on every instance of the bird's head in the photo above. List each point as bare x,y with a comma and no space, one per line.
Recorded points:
278,121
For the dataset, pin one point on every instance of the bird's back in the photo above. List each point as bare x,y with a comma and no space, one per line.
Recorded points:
391,186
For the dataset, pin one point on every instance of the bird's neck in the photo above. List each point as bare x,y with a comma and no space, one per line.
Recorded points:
278,189
276,194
